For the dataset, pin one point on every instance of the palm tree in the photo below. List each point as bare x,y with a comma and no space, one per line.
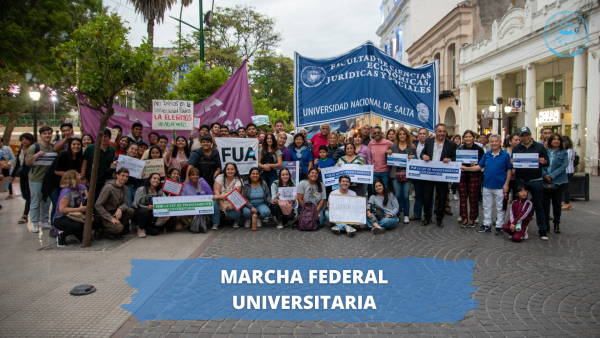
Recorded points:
184,3
152,10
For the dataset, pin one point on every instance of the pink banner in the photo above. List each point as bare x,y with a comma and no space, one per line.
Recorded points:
230,105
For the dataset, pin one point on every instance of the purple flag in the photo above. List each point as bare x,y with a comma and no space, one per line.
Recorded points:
230,105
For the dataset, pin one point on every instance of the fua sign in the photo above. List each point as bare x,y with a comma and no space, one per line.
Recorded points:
241,151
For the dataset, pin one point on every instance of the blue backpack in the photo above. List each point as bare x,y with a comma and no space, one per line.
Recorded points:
26,168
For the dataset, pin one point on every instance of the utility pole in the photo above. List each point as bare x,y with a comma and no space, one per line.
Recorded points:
201,34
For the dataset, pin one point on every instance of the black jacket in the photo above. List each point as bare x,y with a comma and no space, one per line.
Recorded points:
532,173
449,150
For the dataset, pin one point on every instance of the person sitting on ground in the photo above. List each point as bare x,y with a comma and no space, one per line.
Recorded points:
196,185
283,210
344,182
71,196
521,211
381,209
132,183
257,193
313,190
225,183
143,206
113,213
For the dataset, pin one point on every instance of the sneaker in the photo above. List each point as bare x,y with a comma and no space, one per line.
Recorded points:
414,218
248,223
498,232
454,197
483,228
477,221
352,232
60,241
426,222
45,225
141,233
52,233
509,237
459,220
378,230
34,228
440,224
236,224
215,227
279,226
463,225
543,236
336,230
258,223
266,220
471,225
526,236
406,220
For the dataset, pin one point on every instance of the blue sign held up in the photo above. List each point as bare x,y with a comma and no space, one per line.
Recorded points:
365,81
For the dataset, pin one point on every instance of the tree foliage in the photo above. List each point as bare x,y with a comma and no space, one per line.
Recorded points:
265,107
152,11
158,81
280,73
98,62
199,84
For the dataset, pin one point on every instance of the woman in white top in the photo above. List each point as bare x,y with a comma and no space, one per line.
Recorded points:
224,184
568,144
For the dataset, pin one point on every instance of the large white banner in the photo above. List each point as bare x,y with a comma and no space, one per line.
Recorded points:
183,205
241,151
434,171
359,173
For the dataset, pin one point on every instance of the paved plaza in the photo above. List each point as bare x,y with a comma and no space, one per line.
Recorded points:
529,289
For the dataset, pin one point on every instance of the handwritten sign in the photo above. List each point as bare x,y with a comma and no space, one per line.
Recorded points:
236,199
46,159
526,161
197,122
260,119
154,166
347,209
183,205
172,115
113,135
467,156
397,160
287,193
172,187
135,166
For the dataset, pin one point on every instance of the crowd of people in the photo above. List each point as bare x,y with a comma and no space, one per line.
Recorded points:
56,194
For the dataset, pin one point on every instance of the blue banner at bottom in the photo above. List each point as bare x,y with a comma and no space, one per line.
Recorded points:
347,290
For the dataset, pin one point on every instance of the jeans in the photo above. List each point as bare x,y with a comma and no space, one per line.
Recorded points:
269,177
339,225
402,190
24,184
54,199
536,188
262,210
441,194
130,194
216,216
234,215
555,198
39,207
493,198
388,223
418,207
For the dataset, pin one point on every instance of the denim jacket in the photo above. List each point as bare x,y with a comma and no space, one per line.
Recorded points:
558,169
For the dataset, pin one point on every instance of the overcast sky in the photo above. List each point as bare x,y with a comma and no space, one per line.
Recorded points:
313,28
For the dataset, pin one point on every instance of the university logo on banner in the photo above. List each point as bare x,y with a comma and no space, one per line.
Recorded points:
365,81
241,151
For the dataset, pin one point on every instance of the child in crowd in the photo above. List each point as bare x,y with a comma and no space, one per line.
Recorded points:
520,216
324,162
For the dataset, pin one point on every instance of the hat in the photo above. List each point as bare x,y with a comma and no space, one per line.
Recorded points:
524,130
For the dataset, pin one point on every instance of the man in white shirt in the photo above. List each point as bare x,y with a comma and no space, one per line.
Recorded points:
337,228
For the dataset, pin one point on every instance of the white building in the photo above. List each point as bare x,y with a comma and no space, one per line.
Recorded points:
515,62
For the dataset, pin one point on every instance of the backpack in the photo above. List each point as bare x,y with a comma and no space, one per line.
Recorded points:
26,168
198,224
308,217
575,160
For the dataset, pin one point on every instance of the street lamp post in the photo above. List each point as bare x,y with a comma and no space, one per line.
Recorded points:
35,96
493,109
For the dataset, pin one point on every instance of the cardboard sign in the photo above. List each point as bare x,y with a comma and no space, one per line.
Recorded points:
172,187
46,159
260,120
135,166
347,209
172,115
183,205
197,122
113,135
154,166
236,199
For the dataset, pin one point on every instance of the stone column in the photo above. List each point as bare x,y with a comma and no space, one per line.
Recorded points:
578,109
593,103
530,105
497,93
464,106
473,107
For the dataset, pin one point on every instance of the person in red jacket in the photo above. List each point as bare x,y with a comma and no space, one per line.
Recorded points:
520,216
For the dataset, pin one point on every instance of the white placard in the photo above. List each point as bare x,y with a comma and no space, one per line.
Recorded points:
287,193
172,115
397,160
467,156
437,171
347,209
113,135
260,120
135,166
183,205
241,151
45,159
359,173
236,199
197,122
526,161
172,187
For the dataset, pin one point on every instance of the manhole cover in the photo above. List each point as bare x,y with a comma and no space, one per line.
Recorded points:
81,290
